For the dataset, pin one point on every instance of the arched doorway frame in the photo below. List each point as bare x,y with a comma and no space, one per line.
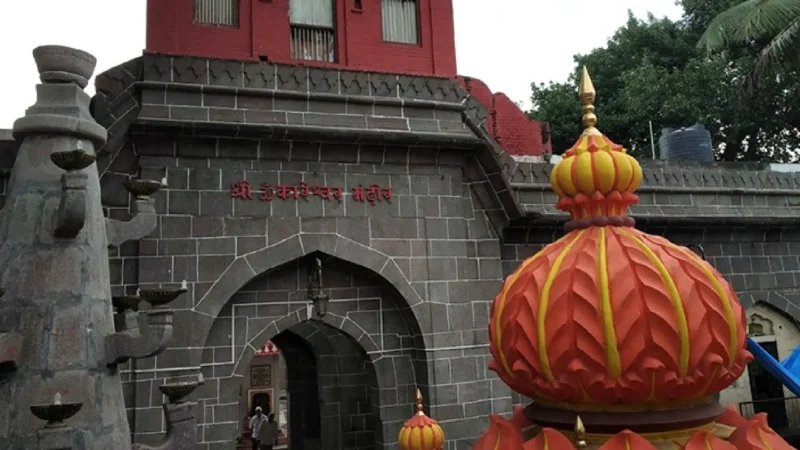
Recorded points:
246,267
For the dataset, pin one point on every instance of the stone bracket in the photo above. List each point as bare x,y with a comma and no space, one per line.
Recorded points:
10,351
72,208
181,429
148,339
142,223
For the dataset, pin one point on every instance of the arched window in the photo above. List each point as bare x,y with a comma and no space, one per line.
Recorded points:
400,20
223,13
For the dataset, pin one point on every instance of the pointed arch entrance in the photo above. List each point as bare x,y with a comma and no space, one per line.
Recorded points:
365,356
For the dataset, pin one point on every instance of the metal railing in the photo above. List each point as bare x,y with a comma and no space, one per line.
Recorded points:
223,13
313,43
781,412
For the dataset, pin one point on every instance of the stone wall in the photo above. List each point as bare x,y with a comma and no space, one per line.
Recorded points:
432,246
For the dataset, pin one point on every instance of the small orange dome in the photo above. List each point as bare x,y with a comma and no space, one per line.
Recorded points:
609,317
421,432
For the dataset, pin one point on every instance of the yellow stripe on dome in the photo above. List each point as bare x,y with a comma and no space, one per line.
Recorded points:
427,438
624,171
675,298
554,180
725,300
613,359
763,439
439,435
605,171
564,175
501,304
584,173
497,444
544,302
708,442
402,437
416,439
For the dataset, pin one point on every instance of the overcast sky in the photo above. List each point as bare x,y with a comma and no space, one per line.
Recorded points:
506,43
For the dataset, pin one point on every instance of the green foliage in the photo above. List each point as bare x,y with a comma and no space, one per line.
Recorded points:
772,26
652,70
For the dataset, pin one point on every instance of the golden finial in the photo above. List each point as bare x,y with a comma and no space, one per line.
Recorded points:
420,408
587,95
580,430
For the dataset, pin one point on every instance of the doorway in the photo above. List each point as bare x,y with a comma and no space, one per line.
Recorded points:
321,387
767,391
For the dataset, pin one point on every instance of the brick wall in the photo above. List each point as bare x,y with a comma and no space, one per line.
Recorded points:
264,33
513,129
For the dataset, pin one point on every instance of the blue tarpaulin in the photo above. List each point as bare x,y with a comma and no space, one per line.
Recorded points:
787,372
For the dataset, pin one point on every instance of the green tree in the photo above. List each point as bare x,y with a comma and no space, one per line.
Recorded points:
652,70
771,26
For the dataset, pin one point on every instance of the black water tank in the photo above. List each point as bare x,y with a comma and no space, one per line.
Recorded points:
687,144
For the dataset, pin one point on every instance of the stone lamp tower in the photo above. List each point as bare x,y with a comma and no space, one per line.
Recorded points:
60,341
621,338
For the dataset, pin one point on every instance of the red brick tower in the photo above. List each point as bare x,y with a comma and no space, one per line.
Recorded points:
404,37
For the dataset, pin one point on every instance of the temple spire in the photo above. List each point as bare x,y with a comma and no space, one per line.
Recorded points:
587,96
420,406
580,433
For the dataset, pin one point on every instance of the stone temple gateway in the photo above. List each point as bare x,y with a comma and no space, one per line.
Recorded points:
359,218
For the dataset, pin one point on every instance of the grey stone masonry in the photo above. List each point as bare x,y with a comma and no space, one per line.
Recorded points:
411,278
683,192
55,271
430,251
163,94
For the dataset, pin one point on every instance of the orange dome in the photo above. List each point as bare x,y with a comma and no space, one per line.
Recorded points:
747,434
609,317
421,432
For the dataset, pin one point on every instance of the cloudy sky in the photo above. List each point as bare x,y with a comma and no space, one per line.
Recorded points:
508,45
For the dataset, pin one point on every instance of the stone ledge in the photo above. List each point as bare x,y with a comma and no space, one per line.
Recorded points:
773,216
298,95
261,75
679,189
306,132
728,178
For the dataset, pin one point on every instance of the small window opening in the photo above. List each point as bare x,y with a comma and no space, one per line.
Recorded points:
400,19
313,30
224,13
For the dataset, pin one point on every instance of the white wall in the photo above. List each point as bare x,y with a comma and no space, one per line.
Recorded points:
777,328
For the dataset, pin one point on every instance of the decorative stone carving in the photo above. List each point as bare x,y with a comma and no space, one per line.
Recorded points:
181,424
54,257
760,326
153,333
144,213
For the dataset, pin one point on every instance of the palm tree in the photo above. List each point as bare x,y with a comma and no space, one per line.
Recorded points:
773,26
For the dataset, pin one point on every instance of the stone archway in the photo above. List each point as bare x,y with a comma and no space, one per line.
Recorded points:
365,315
332,388
249,266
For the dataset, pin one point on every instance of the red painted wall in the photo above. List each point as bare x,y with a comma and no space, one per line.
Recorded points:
511,127
264,33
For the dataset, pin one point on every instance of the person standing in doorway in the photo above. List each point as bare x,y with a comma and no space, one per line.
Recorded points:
255,426
268,434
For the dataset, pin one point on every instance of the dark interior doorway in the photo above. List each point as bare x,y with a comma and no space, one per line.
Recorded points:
261,400
302,388
330,391
767,391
